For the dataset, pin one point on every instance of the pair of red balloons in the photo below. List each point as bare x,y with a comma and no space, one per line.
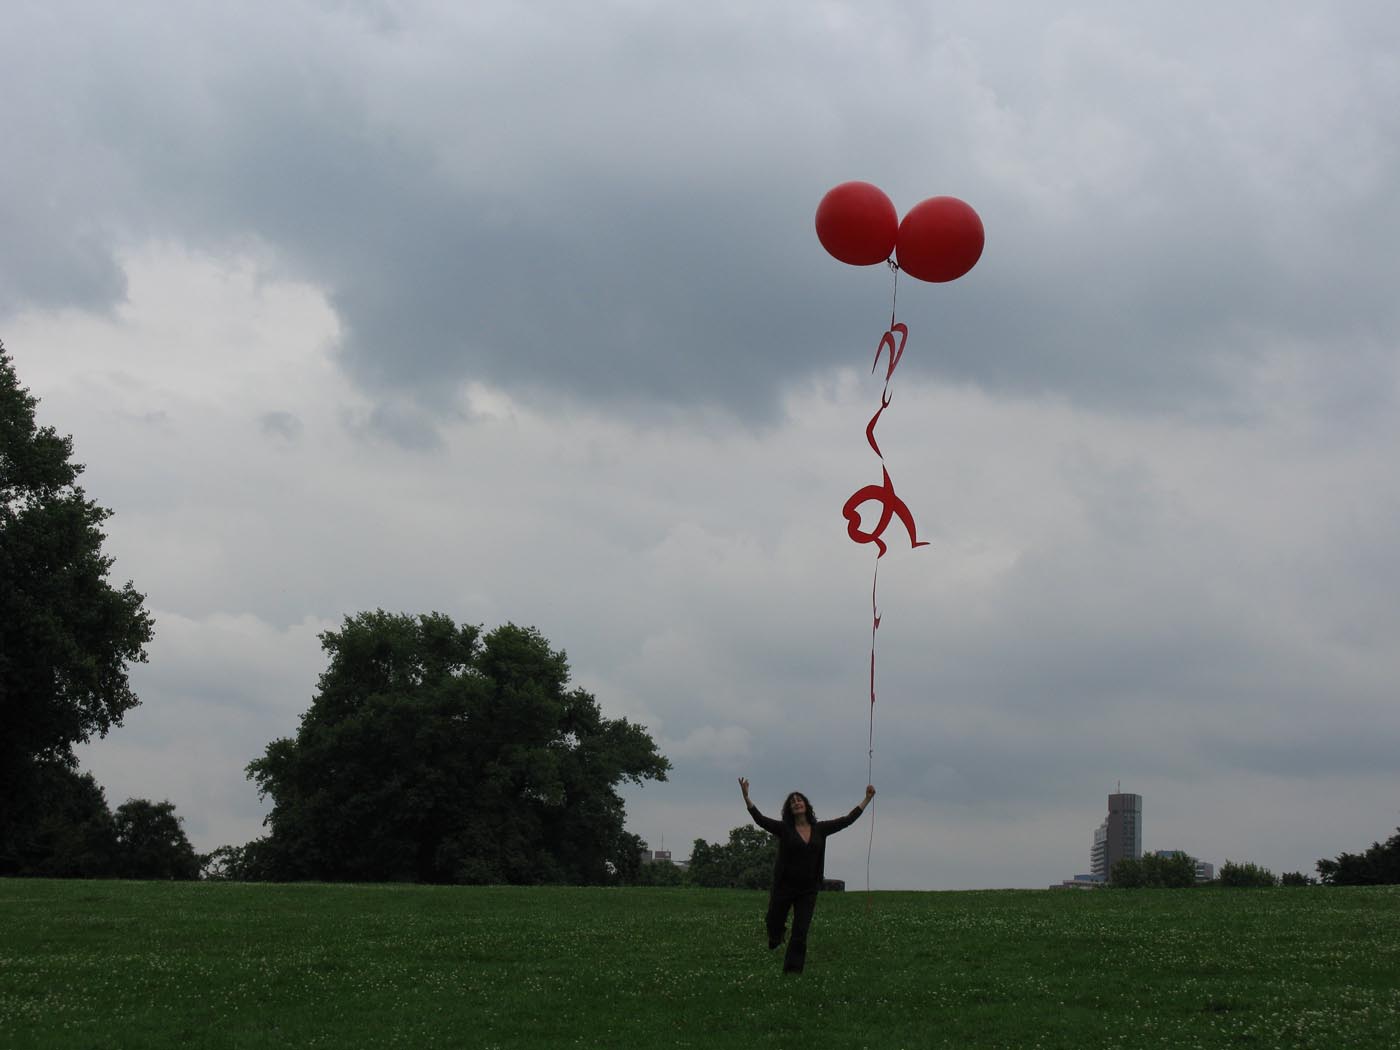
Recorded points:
939,240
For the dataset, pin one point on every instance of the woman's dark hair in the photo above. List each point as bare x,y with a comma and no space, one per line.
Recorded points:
789,818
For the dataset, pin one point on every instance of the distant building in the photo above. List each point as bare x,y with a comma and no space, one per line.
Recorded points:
1079,882
661,856
1119,836
1098,853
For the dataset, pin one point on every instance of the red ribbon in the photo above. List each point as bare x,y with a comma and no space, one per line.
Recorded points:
891,506
887,342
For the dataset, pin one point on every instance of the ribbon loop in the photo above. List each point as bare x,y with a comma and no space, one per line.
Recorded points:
891,506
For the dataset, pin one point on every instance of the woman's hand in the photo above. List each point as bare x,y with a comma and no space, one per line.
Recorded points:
744,787
869,794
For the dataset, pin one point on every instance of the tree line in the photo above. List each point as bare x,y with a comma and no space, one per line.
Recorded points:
68,831
1178,871
431,751
1379,865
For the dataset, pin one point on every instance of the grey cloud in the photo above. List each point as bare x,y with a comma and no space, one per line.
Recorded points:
609,211
404,425
1136,619
283,427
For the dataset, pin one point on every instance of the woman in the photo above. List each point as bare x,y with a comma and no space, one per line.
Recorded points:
801,862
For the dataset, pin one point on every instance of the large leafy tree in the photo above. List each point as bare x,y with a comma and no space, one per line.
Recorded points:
67,634
431,753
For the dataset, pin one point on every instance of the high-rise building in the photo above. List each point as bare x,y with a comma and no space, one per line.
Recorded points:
1119,836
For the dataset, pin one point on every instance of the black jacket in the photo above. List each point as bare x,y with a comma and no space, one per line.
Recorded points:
801,865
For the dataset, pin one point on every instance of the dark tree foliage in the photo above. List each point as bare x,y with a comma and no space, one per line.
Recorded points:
252,862
151,843
744,862
1154,871
631,870
1378,866
65,830
659,873
66,634
433,754
70,833
1296,878
625,868
1245,875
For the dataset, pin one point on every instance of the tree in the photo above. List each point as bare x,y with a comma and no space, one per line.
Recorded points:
744,862
252,862
151,842
66,634
433,754
222,864
1296,878
1175,870
626,866
65,829
1126,874
1245,875
660,873
1378,866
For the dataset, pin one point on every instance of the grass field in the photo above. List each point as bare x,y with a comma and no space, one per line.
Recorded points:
154,965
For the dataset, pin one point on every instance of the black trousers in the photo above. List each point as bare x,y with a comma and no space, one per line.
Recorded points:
801,902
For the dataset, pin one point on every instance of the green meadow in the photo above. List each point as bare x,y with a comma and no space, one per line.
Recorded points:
153,965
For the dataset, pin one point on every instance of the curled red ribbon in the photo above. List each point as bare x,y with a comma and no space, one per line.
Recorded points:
887,342
891,506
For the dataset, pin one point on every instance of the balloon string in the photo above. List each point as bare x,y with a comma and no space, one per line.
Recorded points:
870,739
874,584
894,295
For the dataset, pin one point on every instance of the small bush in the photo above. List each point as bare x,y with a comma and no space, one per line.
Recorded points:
1245,875
1154,871
660,873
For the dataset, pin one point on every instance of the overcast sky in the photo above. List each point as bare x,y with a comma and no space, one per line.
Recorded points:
516,312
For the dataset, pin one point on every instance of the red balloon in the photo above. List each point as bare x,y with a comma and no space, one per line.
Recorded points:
857,223
939,240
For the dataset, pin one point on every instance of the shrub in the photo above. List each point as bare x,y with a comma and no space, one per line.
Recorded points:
1245,875
1378,866
660,873
1155,871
